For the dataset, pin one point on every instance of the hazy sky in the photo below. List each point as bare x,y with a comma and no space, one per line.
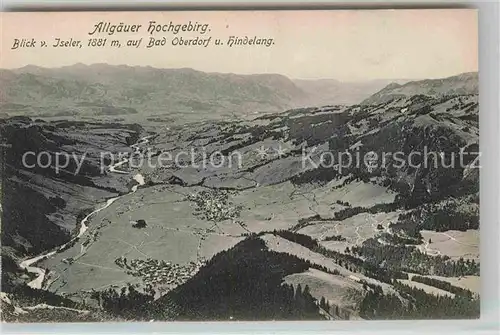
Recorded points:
345,45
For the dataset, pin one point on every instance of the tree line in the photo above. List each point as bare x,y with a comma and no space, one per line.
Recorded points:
410,259
417,304
346,260
441,217
444,285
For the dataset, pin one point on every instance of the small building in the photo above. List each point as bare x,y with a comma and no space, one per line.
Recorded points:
139,224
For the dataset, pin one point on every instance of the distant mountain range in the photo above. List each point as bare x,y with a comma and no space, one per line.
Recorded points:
462,84
102,90
335,92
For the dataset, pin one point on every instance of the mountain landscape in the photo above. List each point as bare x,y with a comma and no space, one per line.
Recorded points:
102,90
131,93
278,229
462,84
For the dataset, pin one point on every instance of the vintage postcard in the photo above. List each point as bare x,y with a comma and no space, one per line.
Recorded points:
239,165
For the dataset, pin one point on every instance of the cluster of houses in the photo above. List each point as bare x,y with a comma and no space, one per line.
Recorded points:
214,205
154,271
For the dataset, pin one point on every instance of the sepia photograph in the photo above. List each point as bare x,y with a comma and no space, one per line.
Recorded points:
239,165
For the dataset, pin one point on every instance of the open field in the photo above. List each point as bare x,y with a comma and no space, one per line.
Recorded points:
214,244
271,207
337,290
452,243
356,193
172,234
355,229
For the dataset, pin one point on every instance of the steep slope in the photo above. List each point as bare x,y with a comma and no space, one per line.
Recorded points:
243,283
24,304
462,84
41,205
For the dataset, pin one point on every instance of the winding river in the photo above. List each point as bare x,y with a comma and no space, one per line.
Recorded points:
40,273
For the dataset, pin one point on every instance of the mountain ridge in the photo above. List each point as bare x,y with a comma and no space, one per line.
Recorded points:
48,92
460,84
103,90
